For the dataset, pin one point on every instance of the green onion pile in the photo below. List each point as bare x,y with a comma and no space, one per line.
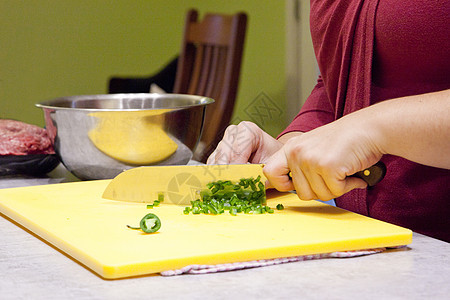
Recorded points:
246,196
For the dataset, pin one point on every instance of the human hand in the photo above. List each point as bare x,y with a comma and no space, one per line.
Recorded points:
243,143
321,161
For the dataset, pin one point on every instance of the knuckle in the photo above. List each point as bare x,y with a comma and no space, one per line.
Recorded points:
229,130
324,166
249,127
247,124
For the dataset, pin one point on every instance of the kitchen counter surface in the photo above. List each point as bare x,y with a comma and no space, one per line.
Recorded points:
32,269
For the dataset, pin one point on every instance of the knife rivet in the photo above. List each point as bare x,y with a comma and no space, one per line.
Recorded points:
366,172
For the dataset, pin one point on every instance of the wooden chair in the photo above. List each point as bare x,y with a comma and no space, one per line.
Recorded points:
209,65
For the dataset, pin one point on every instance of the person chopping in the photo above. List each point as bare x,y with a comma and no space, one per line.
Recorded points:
383,94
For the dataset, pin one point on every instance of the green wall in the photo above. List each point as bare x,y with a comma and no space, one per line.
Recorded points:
60,48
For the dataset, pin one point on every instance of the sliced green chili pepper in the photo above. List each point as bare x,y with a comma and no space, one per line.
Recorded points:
149,223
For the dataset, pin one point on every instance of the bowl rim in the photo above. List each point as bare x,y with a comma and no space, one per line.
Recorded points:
50,104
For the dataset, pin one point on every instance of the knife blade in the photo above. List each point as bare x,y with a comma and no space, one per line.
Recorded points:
179,184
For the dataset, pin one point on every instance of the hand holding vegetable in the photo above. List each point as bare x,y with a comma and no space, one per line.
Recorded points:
243,143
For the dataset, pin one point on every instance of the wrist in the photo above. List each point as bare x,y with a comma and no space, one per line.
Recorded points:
286,137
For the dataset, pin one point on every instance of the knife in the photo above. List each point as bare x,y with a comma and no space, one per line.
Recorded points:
181,184
178,184
371,175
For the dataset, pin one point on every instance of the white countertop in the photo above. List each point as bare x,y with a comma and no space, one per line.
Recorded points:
32,269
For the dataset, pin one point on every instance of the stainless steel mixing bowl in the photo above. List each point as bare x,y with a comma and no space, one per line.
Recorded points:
99,136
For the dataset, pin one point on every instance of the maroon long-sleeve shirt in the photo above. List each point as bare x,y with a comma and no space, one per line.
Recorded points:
374,50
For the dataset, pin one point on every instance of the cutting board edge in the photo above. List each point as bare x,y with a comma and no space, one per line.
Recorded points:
72,252
142,269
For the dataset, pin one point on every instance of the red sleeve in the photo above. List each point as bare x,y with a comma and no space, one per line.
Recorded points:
316,111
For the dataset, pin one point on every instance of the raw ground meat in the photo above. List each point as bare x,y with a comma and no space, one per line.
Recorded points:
19,138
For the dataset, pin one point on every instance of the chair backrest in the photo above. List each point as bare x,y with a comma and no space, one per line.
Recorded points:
209,65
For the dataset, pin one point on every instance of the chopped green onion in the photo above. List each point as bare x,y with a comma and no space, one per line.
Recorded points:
261,186
157,202
212,209
160,197
248,195
253,186
280,206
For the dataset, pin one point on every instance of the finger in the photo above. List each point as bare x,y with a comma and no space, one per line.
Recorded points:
217,157
318,186
211,158
299,179
243,143
268,185
318,181
352,183
276,171
232,146
222,153
302,185
339,183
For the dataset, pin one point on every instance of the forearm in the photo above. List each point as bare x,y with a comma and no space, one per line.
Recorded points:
415,127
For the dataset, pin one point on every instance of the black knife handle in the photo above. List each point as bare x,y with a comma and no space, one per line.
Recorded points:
372,175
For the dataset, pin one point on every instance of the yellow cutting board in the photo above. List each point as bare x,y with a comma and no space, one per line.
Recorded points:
77,220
